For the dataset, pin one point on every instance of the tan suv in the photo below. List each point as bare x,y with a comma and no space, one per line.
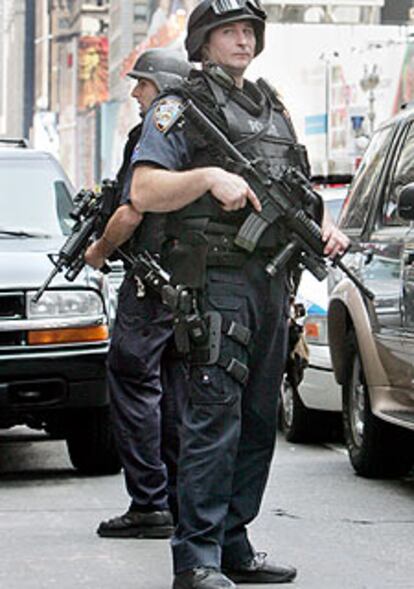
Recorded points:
372,342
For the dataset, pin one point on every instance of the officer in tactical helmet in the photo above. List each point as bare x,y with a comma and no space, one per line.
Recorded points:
154,71
143,407
229,416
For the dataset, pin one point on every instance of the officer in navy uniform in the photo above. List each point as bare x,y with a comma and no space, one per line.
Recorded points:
143,397
229,418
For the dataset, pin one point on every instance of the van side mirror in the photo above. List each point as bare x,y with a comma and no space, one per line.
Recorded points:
406,202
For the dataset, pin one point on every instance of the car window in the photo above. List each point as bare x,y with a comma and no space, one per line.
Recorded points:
402,174
64,206
334,207
383,269
34,197
357,204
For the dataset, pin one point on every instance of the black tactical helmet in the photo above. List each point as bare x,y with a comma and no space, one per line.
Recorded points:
210,14
162,66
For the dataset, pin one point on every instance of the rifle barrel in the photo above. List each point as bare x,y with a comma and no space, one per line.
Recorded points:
368,293
46,283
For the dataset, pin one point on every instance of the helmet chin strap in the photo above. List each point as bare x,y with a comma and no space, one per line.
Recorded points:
218,73
224,76
253,100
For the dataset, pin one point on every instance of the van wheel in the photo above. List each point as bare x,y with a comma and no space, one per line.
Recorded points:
300,424
376,449
91,444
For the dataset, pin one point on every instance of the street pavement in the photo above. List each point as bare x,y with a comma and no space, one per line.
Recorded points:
341,531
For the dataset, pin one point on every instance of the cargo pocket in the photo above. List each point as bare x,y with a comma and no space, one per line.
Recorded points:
213,384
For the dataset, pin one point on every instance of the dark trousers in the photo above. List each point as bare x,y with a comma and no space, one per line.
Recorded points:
144,398
228,430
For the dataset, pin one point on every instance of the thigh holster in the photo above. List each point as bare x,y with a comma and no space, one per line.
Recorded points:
210,352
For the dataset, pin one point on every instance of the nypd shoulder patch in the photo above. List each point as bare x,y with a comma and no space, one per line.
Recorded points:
166,113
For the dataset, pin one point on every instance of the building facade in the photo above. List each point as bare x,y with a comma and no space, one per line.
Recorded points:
128,26
63,66
71,81
325,11
12,68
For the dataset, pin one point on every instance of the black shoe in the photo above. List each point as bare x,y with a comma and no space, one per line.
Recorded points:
202,578
258,570
134,524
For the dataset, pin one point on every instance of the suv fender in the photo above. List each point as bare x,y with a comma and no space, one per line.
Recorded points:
348,310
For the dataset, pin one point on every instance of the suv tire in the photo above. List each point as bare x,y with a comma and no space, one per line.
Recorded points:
377,449
91,444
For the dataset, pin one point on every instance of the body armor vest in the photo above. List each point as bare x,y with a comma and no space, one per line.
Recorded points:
257,123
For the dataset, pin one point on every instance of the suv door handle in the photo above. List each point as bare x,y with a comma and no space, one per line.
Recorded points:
409,259
368,255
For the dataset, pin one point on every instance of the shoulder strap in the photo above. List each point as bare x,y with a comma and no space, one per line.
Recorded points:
132,140
272,95
223,97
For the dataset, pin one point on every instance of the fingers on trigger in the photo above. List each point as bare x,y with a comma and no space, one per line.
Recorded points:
255,201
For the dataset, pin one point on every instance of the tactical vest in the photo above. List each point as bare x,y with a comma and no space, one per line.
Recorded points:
257,123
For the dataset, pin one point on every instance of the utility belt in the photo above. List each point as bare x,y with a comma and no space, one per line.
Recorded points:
222,252
219,241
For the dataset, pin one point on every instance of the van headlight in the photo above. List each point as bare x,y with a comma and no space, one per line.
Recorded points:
65,304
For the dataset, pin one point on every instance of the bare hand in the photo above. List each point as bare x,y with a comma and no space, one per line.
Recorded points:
94,255
232,191
336,242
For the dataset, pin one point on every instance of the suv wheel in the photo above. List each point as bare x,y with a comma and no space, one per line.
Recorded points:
91,444
300,424
377,449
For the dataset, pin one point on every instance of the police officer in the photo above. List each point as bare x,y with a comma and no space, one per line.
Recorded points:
229,417
144,412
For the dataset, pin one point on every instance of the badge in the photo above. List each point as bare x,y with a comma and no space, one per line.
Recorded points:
166,113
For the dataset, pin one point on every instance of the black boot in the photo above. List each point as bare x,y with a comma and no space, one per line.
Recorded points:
135,524
258,570
202,578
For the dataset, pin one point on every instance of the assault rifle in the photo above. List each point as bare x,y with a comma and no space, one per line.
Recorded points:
91,212
89,215
284,200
